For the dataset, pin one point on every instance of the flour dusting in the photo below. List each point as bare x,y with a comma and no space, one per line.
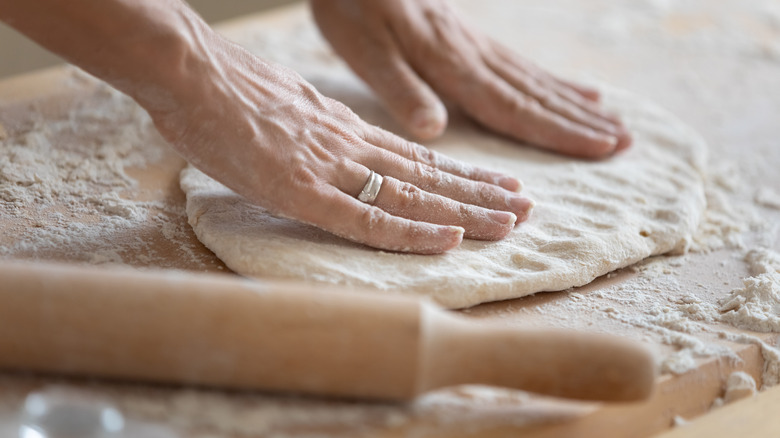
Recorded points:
720,70
767,197
66,191
756,306
739,385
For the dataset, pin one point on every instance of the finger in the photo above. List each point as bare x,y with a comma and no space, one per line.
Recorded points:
565,90
591,107
553,101
403,199
584,97
589,93
509,56
408,98
419,153
406,200
433,180
336,212
503,56
557,99
498,105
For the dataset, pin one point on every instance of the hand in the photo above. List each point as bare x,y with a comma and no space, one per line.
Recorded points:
270,136
261,130
409,51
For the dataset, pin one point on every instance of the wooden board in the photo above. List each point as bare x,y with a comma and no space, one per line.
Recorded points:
662,62
753,417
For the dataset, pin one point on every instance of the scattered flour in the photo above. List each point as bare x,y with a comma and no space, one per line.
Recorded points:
768,198
770,353
720,227
763,261
674,315
65,191
753,307
739,385
678,421
756,306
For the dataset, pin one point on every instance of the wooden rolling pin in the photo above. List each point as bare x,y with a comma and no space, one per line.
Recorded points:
231,332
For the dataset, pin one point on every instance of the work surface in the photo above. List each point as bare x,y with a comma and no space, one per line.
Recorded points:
716,67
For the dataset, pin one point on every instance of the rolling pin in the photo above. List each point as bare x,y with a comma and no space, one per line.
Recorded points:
222,331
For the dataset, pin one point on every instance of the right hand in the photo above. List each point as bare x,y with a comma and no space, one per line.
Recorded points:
266,133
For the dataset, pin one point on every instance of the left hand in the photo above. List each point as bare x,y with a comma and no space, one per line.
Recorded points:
412,52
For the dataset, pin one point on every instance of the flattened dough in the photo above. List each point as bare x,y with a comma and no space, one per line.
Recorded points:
591,217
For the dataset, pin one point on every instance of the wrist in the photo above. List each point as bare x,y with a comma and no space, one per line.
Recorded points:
170,66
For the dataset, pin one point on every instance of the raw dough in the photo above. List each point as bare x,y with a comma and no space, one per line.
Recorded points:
591,217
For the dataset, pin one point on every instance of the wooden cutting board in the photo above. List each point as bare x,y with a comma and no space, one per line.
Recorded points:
621,49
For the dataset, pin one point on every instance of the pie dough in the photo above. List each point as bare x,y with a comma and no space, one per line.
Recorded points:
591,217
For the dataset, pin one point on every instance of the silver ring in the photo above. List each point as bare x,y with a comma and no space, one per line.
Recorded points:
371,189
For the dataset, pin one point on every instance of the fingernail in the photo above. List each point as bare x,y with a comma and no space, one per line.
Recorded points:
511,184
612,143
521,206
453,231
626,140
503,217
429,121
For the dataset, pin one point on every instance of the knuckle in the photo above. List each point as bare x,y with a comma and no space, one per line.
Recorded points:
302,176
372,218
421,154
307,90
340,110
485,192
521,104
409,196
533,106
343,164
465,212
429,176
493,88
545,97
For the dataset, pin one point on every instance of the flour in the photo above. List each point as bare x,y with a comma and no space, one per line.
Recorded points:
65,190
769,352
676,317
739,385
655,22
756,306
679,322
590,218
722,224
55,185
763,261
767,197
655,298
674,327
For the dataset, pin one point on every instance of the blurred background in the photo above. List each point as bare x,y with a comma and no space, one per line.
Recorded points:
19,55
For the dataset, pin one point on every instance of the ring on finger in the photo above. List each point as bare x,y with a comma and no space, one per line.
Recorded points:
371,189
